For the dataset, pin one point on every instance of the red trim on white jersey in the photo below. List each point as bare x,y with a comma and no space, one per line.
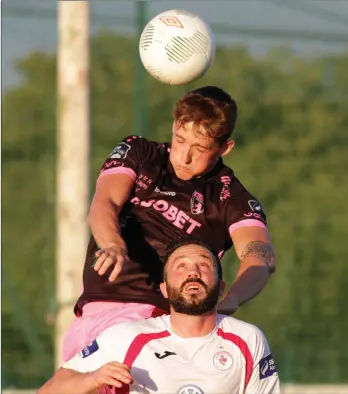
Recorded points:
136,347
242,345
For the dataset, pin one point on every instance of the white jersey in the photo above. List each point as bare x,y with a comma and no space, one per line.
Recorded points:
233,359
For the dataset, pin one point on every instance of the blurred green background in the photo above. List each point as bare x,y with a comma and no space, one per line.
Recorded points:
291,152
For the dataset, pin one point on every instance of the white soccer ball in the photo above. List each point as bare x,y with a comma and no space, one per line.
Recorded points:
177,47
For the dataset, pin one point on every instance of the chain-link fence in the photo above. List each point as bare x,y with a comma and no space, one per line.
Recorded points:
286,64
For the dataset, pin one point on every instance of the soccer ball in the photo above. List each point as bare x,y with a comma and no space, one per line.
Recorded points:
177,47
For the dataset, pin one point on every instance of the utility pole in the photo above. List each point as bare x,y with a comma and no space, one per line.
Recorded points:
140,91
73,159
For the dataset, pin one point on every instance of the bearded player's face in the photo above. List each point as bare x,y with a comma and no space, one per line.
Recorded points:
191,282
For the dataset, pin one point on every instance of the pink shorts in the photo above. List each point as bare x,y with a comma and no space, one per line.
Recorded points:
96,317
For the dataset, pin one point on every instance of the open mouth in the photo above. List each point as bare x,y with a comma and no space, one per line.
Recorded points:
193,288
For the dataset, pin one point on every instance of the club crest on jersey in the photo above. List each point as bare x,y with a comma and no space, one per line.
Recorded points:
267,367
255,206
197,203
89,349
222,361
190,389
120,152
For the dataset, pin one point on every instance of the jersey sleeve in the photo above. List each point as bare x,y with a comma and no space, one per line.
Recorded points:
242,209
264,377
110,346
127,157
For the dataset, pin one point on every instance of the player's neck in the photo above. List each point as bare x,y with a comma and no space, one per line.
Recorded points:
187,326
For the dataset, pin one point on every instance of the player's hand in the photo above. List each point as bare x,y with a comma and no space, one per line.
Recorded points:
228,305
114,255
112,374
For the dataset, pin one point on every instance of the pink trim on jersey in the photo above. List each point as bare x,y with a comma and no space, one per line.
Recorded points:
135,348
246,223
242,345
119,170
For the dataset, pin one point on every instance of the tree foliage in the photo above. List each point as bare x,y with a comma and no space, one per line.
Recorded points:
291,152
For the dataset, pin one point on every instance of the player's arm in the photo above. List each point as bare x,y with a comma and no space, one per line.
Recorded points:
114,187
94,366
256,255
246,224
264,377
111,193
67,381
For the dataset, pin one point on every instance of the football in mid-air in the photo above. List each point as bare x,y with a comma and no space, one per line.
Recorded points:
177,47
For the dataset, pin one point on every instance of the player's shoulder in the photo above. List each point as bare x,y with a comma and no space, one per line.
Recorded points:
230,327
146,150
230,188
226,177
137,140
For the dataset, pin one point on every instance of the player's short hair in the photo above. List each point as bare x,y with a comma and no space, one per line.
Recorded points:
171,248
209,108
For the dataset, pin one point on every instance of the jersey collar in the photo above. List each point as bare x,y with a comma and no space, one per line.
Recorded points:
167,323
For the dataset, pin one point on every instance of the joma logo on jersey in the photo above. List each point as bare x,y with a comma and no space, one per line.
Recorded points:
179,218
164,355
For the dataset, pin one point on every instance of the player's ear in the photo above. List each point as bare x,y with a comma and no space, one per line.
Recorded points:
222,287
226,148
163,288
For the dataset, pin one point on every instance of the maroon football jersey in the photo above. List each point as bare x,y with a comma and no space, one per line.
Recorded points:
161,209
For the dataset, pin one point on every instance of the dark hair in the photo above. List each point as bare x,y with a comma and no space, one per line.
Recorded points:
171,248
210,108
